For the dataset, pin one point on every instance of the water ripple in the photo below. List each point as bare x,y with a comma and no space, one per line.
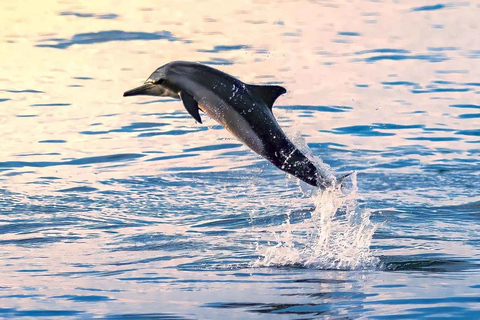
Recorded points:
102,216
465,106
429,7
23,91
399,57
107,36
316,108
89,15
75,162
223,48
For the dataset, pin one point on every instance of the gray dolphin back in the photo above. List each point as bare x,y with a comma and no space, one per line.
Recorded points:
243,109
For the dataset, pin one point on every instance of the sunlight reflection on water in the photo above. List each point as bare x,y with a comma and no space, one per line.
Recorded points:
115,208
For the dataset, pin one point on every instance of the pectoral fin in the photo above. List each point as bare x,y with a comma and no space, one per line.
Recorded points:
191,105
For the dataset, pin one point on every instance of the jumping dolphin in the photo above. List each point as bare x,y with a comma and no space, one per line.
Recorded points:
243,109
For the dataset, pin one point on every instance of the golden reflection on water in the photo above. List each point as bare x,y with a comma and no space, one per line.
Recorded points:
296,43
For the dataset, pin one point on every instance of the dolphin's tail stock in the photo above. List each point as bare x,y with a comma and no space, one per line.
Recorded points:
298,165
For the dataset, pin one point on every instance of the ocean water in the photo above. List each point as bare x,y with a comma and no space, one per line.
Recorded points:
126,208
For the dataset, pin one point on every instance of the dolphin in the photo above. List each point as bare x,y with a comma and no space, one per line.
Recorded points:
243,109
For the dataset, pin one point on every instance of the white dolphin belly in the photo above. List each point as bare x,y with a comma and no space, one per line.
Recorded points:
227,116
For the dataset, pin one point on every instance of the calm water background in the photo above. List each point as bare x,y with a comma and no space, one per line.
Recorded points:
127,209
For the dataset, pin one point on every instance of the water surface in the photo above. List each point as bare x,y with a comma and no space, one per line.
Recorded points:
116,208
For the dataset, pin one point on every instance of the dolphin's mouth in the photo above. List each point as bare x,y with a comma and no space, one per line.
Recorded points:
148,89
151,89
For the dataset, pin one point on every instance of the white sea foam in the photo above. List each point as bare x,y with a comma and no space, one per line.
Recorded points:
336,236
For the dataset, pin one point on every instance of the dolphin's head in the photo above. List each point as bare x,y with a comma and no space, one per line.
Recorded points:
155,85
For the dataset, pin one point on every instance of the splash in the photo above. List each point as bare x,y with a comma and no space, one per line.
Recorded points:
336,236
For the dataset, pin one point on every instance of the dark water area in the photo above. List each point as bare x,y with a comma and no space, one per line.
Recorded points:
126,208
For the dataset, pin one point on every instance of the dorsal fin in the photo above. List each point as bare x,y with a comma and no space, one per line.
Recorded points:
268,94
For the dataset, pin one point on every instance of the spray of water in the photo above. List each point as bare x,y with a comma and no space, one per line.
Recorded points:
336,236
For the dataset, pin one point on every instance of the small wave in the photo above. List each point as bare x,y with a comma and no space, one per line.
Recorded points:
75,162
429,7
105,36
218,62
398,57
430,263
89,15
334,109
51,104
22,91
224,48
79,189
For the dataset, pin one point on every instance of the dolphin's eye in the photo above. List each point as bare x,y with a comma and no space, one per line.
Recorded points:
154,81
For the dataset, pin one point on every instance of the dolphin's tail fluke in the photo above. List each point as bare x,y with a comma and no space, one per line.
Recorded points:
341,181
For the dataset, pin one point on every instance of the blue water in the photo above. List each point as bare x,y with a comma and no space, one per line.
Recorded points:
116,208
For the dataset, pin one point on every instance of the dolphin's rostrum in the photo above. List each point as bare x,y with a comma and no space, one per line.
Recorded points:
243,109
